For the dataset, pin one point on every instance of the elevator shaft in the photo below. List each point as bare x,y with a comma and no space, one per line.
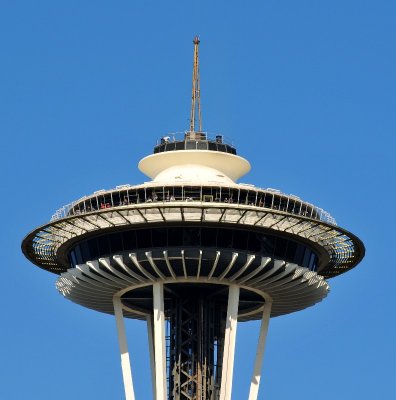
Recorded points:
196,327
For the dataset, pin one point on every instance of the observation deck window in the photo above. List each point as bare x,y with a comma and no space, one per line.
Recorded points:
194,237
197,144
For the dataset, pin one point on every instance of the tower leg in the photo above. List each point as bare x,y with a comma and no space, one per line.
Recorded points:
159,341
150,334
125,362
255,382
229,343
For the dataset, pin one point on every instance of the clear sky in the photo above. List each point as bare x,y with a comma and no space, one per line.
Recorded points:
305,89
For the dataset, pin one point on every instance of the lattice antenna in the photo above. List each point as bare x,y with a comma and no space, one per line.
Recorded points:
195,93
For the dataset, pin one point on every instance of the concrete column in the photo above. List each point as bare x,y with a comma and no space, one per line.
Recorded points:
255,382
229,343
150,334
125,362
159,341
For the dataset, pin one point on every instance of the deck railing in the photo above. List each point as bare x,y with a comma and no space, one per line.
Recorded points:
200,141
127,195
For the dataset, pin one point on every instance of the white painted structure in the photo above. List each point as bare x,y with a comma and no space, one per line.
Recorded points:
194,166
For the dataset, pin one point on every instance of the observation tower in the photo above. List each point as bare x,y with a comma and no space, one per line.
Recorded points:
193,253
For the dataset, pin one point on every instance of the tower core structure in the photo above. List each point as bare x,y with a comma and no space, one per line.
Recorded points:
193,253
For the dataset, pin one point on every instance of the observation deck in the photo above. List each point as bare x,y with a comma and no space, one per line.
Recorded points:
194,222
331,250
196,158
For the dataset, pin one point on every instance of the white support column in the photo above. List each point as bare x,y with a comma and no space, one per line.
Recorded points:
255,382
150,333
229,343
125,362
159,341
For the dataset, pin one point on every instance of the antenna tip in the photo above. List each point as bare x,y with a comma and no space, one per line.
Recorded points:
196,40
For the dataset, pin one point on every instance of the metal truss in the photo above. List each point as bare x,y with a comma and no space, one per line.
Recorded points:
196,341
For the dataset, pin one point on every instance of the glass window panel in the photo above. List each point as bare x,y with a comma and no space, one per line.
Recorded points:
209,237
311,261
191,145
79,258
225,238
103,244
171,146
116,242
202,145
143,237
73,258
175,237
240,239
267,245
254,243
129,239
191,237
212,146
315,263
280,248
299,254
307,255
93,248
160,237
291,250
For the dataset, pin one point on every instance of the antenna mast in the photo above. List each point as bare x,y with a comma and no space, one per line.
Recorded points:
195,95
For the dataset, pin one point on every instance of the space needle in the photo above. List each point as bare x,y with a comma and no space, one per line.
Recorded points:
193,253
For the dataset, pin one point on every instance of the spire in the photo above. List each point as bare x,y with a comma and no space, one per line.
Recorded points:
195,94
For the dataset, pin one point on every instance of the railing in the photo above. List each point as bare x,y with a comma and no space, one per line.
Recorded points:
193,141
127,195
180,136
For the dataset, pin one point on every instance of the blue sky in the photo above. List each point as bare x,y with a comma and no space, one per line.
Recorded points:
306,91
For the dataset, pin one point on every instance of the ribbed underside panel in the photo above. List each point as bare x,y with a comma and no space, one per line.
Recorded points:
291,287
